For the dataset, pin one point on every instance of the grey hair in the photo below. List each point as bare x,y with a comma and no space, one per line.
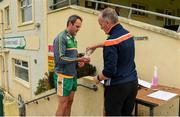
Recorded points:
109,14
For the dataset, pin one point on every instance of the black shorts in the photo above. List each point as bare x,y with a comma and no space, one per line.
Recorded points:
120,99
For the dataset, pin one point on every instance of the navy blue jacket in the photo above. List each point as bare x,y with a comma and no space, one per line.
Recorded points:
118,54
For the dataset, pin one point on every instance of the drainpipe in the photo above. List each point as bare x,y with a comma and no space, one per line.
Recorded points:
2,30
2,46
5,83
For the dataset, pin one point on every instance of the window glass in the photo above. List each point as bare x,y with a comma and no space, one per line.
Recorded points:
29,2
21,73
134,6
7,18
138,6
55,4
24,63
26,10
18,62
23,3
27,14
21,70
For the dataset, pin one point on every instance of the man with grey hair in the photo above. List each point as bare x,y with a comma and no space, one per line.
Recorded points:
119,70
66,61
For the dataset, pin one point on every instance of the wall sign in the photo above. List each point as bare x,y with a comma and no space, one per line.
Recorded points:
15,42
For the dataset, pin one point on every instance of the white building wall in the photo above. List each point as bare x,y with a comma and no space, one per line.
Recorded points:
34,52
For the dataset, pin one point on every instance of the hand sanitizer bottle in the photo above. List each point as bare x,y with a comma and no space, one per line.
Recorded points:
154,79
89,52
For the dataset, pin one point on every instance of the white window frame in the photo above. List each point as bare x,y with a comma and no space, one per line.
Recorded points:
139,6
23,7
7,17
20,80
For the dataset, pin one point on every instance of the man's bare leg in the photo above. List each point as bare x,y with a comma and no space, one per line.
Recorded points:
62,106
70,101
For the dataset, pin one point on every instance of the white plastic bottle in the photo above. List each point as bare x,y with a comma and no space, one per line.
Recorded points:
88,53
155,78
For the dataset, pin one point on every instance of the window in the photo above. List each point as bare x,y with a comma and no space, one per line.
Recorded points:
55,4
7,17
167,21
21,70
90,4
138,6
25,10
159,18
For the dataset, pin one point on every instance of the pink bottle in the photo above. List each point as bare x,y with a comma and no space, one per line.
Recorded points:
154,79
